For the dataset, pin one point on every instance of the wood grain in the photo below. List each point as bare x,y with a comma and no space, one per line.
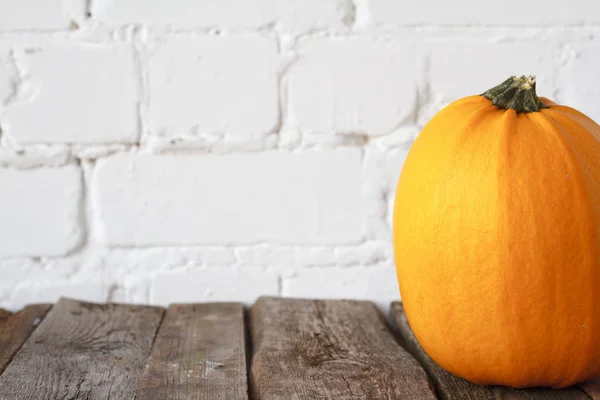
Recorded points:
199,353
16,328
4,315
592,389
314,349
83,351
450,387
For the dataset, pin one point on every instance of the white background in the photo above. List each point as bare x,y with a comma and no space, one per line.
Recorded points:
169,151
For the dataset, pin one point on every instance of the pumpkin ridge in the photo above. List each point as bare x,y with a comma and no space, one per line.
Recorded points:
575,116
565,139
473,121
549,124
503,224
587,182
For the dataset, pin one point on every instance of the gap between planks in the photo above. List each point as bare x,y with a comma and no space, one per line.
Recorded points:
16,328
199,353
301,347
83,351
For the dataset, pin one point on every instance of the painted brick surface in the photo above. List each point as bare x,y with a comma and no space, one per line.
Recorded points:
474,12
275,197
69,93
213,84
213,284
48,15
296,16
373,282
352,86
40,211
155,152
583,67
451,80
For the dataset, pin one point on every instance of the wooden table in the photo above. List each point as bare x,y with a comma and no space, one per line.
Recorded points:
279,349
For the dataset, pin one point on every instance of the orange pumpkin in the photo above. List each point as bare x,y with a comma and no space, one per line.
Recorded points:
496,239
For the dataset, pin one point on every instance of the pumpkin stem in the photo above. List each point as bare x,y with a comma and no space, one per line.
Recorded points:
517,94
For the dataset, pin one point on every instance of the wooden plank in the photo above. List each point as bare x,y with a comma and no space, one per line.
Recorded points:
336,349
83,351
16,328
592,389
451,387
199,353
4,315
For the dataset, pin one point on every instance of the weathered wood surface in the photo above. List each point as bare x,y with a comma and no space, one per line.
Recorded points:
316,350
303,349
4,315
199,353
83,351
16,328
451,387
592,389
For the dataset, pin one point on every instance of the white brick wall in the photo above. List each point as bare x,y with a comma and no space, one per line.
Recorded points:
156,152
582,65
358,85
213,284
451,80
39,15
476,12
40,212
197,84
98,100
289,16
272,197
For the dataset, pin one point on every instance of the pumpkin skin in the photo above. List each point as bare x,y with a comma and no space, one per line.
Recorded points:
497,246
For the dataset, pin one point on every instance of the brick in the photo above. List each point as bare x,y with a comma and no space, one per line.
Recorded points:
265,255
213,84
277,197
474,12
383,167
381,172
40,211
318,256
133,290
148,260
579,85
15,271
213,284
296,17
52,291
369,253
71,93
4,299
34,156
402,137
352,86
450,79
40,14
377,282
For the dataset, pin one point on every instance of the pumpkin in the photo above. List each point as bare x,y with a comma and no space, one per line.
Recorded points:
496,239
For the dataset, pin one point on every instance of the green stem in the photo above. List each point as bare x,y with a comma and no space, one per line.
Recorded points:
517,94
